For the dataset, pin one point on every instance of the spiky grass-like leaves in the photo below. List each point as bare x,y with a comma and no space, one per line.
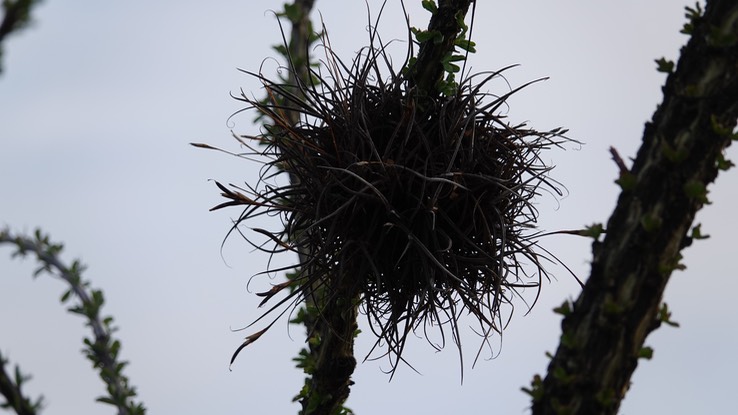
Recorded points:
421,207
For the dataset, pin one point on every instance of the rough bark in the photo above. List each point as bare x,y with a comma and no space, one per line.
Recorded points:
332,347
605,332
330,324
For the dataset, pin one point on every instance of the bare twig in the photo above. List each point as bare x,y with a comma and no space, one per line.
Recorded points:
619,161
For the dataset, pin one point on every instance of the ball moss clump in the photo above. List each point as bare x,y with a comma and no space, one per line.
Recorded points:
417,209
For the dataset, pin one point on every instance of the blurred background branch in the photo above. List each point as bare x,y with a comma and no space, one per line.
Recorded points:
16,16
101,349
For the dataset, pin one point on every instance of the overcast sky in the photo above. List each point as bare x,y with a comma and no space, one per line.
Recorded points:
99,101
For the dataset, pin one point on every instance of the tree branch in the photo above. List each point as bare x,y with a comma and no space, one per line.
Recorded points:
11,389
428,69
328,357
102,350
299,56
603,336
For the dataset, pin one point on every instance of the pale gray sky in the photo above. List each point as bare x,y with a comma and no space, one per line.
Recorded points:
99,100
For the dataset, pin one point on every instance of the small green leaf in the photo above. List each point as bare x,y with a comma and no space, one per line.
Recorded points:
687,29
536,388
719,127
314,36
627,181
692,15
567,341
115,348
454,58
564,309
593,231
606,397
448,87
20,378
664,316
430,5
673,155
120,366
560,374
107,400
427,35
65,296
466,45
723,163
651,223
77,267
281,49
695,189
697,232
313,402
450,67
461,24
663,65
668,266
41,269
292,12
645,353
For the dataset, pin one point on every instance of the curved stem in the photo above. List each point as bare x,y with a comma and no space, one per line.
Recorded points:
102,349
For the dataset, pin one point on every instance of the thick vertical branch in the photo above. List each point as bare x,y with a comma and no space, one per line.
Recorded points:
332,348
298,50
330,316
428,69
299,71
682,148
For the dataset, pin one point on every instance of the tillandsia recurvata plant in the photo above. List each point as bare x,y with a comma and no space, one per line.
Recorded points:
102,349
409,198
